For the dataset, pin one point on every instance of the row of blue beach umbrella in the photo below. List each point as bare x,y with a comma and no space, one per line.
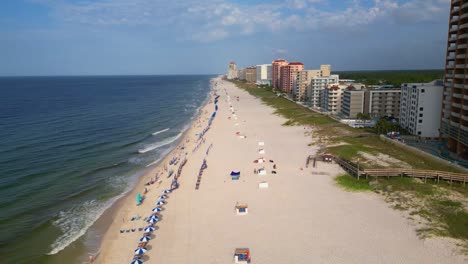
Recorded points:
153,219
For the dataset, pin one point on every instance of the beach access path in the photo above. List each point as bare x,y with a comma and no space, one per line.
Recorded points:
302,217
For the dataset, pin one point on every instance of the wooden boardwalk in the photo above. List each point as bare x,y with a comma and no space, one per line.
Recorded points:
353,169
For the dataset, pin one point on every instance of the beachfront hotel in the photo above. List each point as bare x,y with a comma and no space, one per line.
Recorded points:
420,108
303,79
288,76
332,97
276,72
251,74
315,90
454,121
382,102
264,74
232,71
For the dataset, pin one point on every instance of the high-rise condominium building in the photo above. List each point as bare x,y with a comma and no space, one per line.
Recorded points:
276,66
315,90
303,80
251,74
420,108
264,74
382,102
352,102
288,76
454,122
232,71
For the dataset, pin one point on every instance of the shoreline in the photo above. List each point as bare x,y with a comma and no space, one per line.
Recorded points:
104,222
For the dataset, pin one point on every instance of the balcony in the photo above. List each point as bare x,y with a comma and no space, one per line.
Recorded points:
462,36
462,46
458,85
456,105
460,76
464,117
449,66
460,66
455,114
464,127
461,56
465,107
465,5
455,2
454,47
454,19
452,123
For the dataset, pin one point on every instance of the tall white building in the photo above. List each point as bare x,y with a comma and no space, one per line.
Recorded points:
316,87
232,71
264,74
421,104
332,96
302,82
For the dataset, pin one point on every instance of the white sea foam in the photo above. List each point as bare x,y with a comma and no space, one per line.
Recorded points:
75,222
160,131
154,146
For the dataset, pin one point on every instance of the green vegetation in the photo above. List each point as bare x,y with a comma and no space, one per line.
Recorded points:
403,184
395,78
350,183
295,113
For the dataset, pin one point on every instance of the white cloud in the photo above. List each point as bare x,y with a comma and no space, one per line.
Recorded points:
218,19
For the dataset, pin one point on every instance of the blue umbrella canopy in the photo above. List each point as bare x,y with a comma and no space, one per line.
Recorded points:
159,202
166,191
136,261
149,229
162,197
145,239
157,209
140,251
154,217
152,221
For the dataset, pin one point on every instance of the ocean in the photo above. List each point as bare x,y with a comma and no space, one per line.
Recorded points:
71,146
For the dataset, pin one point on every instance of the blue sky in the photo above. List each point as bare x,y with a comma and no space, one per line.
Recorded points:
100,37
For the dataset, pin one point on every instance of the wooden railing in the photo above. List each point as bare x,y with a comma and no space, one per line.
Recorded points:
353,169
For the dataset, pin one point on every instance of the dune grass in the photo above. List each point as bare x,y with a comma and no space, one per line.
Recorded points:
352,184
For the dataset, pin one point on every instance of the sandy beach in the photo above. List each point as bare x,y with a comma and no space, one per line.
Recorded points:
302,217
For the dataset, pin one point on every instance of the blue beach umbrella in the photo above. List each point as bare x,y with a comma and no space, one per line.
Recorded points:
166,191
152,221
154,217
140,251
136,261
159,203
156,209
149,229
162,197
145,239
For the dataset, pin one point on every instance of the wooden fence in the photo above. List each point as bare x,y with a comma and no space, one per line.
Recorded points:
353,169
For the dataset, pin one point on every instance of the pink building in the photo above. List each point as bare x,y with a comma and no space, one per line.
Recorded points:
276,72
288,75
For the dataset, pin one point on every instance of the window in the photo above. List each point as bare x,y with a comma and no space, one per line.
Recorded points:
422,90
421,108
420,115
419,132
420,121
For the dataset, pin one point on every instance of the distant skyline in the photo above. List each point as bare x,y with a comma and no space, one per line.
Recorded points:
132,37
